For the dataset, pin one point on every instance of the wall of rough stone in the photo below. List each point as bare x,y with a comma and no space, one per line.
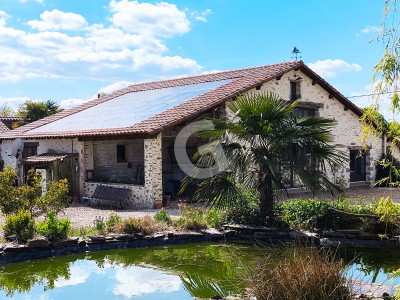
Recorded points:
153,169
137,197
105,162
347,132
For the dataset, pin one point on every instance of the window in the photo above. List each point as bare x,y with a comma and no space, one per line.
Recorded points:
301,112
295,90
30,149
121,154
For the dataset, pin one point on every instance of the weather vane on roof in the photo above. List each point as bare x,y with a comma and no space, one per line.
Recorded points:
295,53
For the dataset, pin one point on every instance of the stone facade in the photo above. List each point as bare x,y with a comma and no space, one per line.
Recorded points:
153,169
347,132
137,197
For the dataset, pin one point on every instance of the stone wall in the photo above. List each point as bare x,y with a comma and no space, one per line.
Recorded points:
137,197
347,132
105,162
153,169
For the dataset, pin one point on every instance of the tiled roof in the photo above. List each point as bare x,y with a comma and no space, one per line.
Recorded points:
10,118
239,81
3,127
48,157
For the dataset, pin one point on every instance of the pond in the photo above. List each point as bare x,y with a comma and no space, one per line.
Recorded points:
173,272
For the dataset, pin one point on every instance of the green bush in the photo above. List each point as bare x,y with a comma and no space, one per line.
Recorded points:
314,213
245,210
53,228
299,213
191,218
112,222
21,225
100,225
214,218
29,196
163,216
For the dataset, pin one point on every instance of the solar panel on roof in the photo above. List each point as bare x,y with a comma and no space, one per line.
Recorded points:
129,109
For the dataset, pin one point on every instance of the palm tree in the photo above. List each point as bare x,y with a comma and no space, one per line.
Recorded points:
263,142
31,111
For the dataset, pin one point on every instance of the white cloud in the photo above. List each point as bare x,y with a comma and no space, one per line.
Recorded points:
330,67
369,29
137,281
12,102
161,19
37,1
68,103
114,87
97,50
58,20
202,15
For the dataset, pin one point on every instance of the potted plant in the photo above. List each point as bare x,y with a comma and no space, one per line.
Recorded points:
157,203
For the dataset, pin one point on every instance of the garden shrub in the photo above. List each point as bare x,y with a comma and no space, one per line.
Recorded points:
100,225
300,213
29,197
314,213
145,225
163,216
112,222
214,218
245,210
21,225
191,218
53,228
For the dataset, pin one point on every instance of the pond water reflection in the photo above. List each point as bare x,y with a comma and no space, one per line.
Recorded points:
173,272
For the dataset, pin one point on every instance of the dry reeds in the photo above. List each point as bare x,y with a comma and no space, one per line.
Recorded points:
301,274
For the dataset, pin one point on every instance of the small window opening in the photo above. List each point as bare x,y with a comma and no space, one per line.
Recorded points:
121,153
295,90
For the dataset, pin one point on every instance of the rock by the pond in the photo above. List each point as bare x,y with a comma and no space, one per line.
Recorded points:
67,242
14,247
332,234
212,233
97,238
123,236
38,243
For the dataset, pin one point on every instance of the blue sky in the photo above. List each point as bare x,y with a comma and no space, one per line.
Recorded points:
70,50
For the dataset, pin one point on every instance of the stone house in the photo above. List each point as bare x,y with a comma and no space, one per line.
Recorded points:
126,138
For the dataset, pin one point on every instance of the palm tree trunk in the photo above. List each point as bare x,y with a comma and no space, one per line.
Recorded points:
266,198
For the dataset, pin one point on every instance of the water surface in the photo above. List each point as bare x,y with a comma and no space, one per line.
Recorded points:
171,272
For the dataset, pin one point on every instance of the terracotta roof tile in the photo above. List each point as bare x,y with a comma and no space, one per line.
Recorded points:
241,81
48,157
3,127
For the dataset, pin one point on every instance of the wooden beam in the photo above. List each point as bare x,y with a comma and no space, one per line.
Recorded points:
279,77
330,96
314,82
258,87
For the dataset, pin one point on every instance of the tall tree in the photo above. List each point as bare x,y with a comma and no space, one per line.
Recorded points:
31,111
6,111
262,144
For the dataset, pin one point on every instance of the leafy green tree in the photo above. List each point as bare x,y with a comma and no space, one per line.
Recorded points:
29,196
31,111
260,146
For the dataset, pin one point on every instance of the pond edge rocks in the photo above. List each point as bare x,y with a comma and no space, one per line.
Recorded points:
42,248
